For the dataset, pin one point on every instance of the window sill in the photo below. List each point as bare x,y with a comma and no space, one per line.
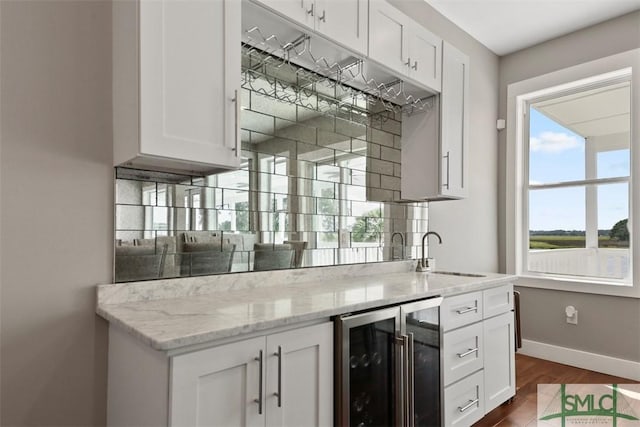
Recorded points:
586,285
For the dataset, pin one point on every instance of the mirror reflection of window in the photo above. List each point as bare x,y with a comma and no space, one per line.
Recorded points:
303,180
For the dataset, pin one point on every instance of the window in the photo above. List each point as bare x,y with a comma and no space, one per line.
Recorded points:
576,182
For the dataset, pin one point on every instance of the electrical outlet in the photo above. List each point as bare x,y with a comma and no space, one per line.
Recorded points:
572,315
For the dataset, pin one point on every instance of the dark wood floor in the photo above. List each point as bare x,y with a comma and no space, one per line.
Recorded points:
529,373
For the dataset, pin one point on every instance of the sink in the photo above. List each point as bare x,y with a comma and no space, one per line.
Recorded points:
457,273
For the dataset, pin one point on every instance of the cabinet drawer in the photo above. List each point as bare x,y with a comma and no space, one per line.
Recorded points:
463,352
461,310
464,401
497,300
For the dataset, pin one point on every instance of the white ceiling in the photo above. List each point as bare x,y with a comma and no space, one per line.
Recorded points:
505,26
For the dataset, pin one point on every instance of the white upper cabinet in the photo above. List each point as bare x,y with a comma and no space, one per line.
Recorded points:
343,22
454,112
176,75
435,143
387,36
424,57
399,43
299,11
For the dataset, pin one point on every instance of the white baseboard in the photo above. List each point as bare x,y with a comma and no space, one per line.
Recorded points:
582,359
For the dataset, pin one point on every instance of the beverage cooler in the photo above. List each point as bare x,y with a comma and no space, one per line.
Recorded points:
388,366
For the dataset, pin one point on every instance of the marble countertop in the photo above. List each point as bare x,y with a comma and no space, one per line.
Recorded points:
170,314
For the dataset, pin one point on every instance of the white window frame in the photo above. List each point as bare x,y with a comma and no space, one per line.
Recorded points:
519,95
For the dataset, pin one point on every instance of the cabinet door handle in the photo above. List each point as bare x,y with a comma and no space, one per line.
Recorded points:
237,118
400,350
468,405
310,11
415,65
412,386
466,353
259,399
278,354
408,63
406,393
467,310
447,157
323,18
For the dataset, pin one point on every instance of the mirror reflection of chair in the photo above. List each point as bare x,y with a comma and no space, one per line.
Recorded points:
139,262
170,265
298,247
270,256
206,258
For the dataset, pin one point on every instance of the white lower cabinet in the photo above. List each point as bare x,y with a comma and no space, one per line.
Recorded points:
464,401
281,379
499,360
303,381
284,379
463,352
478,354
217,386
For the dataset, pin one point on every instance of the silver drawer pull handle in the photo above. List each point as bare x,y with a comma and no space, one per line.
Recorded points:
278,394
466,353
447,156
467,310
468,405
237,102
259,359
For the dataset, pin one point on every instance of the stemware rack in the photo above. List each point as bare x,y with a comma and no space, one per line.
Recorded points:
290,72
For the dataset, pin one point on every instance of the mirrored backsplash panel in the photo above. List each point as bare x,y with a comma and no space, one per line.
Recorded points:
316,188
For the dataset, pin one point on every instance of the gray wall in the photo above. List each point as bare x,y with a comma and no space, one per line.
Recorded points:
57,209
469,227
57,205
607,325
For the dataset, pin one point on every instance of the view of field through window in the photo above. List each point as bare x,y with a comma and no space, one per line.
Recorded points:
578,191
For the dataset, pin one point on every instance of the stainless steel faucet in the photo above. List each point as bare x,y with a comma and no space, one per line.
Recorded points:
401,242
423,263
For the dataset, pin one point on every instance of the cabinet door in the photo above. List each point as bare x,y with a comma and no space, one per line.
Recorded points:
425,57
454,115
300,11
387,35
189,78
344,21
499,360
218,386
300,377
